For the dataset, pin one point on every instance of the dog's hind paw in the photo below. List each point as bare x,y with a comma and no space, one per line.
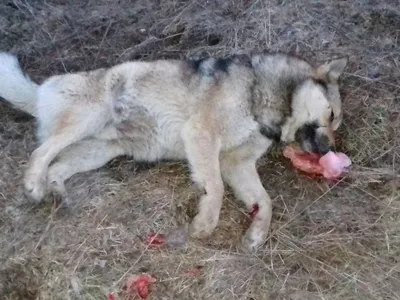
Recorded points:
34,189
59,194
254,239
202,227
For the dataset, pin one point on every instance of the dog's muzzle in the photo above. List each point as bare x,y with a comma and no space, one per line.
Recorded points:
315,139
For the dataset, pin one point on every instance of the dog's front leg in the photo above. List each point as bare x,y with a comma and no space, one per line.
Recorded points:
242,176
202,151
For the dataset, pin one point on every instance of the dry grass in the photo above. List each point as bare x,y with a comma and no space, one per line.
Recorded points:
328,242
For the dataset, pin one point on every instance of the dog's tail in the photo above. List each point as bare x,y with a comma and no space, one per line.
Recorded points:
15,86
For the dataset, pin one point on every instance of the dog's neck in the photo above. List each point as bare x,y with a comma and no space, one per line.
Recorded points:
268,110
270,120
273,89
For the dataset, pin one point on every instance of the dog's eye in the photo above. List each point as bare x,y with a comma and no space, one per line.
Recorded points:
332,116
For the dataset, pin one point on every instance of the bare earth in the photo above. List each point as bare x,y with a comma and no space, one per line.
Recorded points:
328,241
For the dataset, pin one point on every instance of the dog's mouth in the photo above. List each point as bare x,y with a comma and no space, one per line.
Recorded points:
318,146
312,140
308,147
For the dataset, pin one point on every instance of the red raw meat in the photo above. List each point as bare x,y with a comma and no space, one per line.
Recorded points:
306,162
334,164
330,165
139,284
155,240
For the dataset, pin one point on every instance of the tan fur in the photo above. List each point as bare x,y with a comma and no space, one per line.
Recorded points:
219,115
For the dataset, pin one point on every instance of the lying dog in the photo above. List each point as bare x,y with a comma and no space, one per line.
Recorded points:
221,115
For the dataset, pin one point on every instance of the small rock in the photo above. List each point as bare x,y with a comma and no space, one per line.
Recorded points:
100,263
76,286
177,238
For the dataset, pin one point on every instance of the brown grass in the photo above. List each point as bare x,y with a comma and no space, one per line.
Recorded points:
328,242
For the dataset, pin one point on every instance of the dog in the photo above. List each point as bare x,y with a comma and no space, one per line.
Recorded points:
219,114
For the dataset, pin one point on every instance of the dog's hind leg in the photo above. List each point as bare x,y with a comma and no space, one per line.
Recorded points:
81,157
239,171
70,127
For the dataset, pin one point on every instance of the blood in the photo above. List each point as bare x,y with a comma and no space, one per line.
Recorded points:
155,240
140,284
254,211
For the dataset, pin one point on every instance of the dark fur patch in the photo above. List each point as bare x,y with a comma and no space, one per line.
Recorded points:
271,132
290,88
222,64
308,132
321,83
332,117
195,63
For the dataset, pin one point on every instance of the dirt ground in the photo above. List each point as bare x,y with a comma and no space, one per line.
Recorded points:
328,241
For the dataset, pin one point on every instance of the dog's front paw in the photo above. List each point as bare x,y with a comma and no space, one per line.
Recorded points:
35,187
59,194
202,226
254,238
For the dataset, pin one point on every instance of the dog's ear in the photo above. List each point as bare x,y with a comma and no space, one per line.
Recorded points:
331,71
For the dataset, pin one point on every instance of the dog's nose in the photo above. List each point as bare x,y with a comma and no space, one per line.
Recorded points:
324,145
324,150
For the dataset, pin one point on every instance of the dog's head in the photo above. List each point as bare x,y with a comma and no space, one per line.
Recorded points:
316,109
